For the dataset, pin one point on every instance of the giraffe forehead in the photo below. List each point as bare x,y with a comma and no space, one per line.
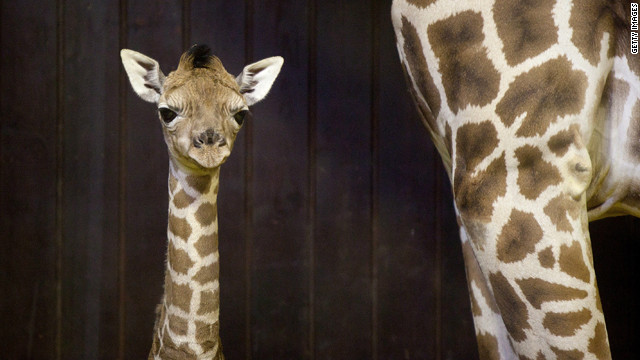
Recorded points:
202,94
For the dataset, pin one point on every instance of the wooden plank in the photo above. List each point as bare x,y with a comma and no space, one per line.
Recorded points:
90,189
154,29
221,25
408,283
28,181
343,245
278,185
615,250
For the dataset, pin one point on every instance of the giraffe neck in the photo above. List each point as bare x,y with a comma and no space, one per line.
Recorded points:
188,321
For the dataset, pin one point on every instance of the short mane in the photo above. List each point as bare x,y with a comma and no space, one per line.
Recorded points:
200,56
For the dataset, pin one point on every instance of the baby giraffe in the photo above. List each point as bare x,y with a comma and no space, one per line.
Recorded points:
201,109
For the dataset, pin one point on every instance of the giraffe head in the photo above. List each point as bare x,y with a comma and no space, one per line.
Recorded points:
200,105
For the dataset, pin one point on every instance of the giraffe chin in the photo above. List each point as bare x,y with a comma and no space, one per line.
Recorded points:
208,159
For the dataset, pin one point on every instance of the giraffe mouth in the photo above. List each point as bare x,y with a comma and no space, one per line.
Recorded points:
209,157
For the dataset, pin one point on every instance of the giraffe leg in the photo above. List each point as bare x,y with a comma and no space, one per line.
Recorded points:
491,334
527,249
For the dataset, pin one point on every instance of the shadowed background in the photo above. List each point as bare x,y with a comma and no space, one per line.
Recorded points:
337,235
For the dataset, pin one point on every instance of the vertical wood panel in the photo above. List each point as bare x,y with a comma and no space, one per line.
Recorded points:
221,25
343,301
90,187
28,187
279,257
155,30
615,249
312,171
408,236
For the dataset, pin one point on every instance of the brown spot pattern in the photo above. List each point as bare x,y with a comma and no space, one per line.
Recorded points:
474,275
179,227
546,258
590,19
474,142
179,260
207,244
181,200
545,93
447,139
560,142
209,302
468,76
518,237
477,232
513,310
417,63
534,174
538,291
161,315
207,274
178,295
421,3
598,345
475,195
476,310
169,349
572,262
559,208
568,354
173,184
425,112
206,214
487,346
201,184
207,335
160,318
525,27
178,325
598,302
566,324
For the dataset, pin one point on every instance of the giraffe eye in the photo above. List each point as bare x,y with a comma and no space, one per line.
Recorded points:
240,115
167,115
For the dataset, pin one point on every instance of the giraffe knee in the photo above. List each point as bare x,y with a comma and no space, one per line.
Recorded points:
579,174
577,171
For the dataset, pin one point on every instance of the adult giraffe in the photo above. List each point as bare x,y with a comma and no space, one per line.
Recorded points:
534,108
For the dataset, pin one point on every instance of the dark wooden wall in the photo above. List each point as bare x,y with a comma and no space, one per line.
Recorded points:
338,238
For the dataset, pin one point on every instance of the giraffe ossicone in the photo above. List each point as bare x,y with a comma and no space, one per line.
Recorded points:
534,107
201,108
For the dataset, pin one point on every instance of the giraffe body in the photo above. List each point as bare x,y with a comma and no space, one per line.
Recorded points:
534,108
201,109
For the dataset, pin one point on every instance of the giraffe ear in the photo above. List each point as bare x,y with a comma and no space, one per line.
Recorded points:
144,73
256,79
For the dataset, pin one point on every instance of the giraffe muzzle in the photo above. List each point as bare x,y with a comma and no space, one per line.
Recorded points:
209,138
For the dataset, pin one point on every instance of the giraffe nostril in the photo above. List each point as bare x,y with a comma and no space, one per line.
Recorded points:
208,138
